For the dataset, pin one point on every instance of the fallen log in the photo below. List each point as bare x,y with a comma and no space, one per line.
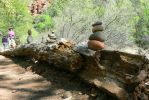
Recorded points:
54,54
122,71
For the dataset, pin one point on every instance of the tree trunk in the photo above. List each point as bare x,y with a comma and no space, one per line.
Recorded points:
116,73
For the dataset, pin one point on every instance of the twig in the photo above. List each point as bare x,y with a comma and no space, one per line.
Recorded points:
110,22
69,27
63,30
73,24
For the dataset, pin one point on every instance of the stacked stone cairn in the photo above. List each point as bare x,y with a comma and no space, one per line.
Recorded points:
51,38
96,40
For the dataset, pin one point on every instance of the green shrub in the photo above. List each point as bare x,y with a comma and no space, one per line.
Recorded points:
43,23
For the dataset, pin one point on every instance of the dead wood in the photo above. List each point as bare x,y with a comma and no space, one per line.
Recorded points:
121,76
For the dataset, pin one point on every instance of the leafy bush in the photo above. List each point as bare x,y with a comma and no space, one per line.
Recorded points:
74,19
43,23
15,13
141,33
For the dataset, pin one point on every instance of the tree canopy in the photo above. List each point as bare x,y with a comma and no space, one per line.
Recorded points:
125,21
15,13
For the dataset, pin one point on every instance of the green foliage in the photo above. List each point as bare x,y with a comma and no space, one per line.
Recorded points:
142,22
122,19
15,13
56,7
43,23
73,19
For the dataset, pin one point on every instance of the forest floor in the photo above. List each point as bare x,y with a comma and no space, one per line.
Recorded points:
21,79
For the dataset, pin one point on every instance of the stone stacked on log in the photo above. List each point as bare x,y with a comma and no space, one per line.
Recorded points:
95,45
96,40
97,27
51,38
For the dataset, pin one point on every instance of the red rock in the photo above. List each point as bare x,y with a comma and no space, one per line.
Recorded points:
95,45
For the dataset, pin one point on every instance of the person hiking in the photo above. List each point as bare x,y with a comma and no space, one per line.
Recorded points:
11,33
4,42
29,37
11,36
12,44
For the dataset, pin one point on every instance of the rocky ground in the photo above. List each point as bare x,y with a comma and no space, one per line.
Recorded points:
23,79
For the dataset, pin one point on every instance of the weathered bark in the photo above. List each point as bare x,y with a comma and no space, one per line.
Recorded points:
121,74
54,54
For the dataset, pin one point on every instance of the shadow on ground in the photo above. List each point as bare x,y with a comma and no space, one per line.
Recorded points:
55,83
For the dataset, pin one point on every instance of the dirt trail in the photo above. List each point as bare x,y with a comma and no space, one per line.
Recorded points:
16,83
22,79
